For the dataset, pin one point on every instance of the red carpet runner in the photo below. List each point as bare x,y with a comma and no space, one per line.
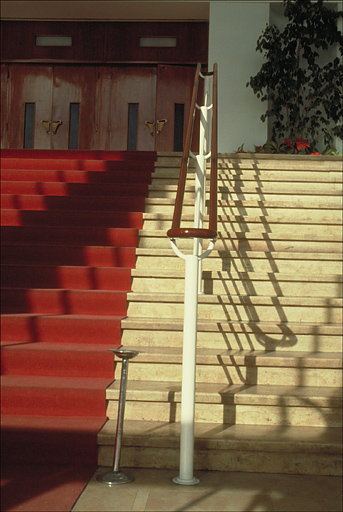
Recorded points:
70,222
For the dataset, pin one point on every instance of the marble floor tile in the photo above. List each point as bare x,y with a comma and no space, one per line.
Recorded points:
214,500
153,490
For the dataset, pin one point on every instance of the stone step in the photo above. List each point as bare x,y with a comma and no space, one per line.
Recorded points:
68,328
62,301
255,225
238,307
261,217
257,241
311,337
243,190
232,177
287,263
282,162
227,447
225,403
241,283
164,364
242,207
278,175
263,161
66,277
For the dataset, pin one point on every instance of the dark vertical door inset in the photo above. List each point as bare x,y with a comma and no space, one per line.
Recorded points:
179,119
74,115
132,126
29,121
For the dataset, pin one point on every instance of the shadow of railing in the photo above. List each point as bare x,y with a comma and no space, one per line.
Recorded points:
245,331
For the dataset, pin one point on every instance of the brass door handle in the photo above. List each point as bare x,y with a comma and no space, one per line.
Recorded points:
150,125
55,125
160,124
46,125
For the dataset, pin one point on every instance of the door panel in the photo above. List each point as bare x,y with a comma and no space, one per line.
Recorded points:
4,105
174,90
73,107
104,76
29,84
133,98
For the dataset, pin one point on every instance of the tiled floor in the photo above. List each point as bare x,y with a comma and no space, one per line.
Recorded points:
153,490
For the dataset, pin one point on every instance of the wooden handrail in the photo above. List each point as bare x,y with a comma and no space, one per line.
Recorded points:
185,155
211,232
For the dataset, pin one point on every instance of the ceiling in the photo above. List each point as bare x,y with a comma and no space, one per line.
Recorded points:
104,10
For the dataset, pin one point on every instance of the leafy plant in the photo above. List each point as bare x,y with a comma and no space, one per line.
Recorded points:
304,97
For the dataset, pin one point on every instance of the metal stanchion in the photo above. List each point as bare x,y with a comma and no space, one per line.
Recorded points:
116,476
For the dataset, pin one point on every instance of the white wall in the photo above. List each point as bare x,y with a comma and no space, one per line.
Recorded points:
233,33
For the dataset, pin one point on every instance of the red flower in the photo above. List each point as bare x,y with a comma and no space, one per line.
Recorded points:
289,143
301,143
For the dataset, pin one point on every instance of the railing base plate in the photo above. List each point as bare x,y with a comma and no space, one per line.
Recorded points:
182,481
115,478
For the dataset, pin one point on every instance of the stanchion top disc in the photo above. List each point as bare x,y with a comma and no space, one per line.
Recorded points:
124,353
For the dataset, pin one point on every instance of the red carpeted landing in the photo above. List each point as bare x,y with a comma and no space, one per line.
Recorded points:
70,222
38,488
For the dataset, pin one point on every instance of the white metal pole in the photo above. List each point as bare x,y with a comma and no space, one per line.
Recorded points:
192,288
200,189
186,476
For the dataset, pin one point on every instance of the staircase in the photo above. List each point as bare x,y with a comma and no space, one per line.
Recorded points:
269,364
70,222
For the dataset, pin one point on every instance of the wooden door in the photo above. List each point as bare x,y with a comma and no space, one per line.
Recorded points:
146,108
132,108
29,106
96,107
4,104
174,93
49,107
73,107
103,91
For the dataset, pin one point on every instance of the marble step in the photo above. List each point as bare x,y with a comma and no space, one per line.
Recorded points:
242,207
282,217
240,367
263,161
230,226
274,262
282,162
305,336
227,447
257,241
236,404
238,307
251,190
241,283
231,174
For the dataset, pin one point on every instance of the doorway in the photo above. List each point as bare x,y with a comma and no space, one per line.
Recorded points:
123,107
